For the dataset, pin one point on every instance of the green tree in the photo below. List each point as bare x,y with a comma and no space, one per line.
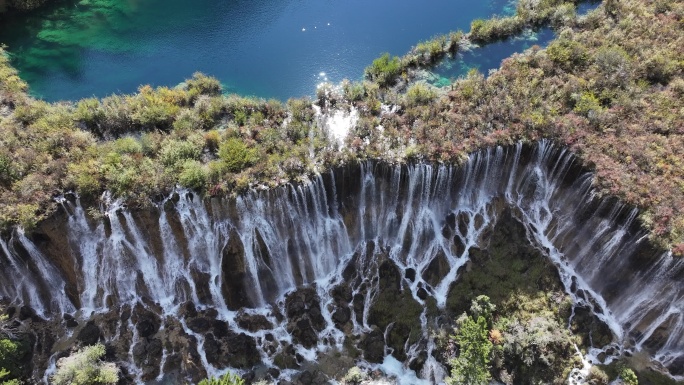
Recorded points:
226,379
85,367
472,364
8,349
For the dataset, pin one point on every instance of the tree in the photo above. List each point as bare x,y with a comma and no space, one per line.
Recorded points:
85,367
472,364
8,352
226,379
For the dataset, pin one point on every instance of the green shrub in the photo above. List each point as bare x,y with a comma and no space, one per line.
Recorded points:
89,112
354,376
226,379
419,94
85,367
7,173
211,140
192,175
567,53
496,28
627,375
174,151
201,84
236,155
659,68
588,103
301,110
597,376
353,91
84,177
127,145
384,69
188,121
154,108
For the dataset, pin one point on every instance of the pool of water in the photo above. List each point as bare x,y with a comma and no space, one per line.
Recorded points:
486,58
271,49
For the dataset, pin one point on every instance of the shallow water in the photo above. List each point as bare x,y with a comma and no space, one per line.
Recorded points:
486,58
277,49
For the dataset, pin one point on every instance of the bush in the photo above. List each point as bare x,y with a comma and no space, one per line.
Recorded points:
627,375
588,104
127,145
235,155
567,53
174,151
192,175
86,368
154,108
597,376
354,376
353,91
384,69
187,121
419,94
489,30
226,379
201,84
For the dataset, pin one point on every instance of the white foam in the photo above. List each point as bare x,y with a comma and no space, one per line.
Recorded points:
337,123
405,376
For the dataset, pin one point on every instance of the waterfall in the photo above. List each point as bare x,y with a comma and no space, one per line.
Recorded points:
244,256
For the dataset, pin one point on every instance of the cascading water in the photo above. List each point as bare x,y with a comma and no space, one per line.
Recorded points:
237,261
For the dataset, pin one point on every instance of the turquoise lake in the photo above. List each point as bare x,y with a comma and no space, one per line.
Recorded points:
270,49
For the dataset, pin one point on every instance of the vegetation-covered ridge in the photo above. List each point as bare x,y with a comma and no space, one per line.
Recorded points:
19,5
610,87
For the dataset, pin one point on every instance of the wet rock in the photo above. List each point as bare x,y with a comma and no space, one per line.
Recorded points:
201,280
341,316
342,294
69,321
253,322
220,329
233,350
396,309
188,310
273,372
417,363
26,312
422,293
676,368
373,346
286,359
147,325
410,274
199,324
304,316
303,333
89,334
234,285
437,269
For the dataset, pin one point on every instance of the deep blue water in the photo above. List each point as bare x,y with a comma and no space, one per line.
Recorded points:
271,49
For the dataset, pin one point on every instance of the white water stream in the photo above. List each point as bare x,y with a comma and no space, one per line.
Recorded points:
305,234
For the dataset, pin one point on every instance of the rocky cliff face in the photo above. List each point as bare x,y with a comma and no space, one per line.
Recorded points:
364,260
